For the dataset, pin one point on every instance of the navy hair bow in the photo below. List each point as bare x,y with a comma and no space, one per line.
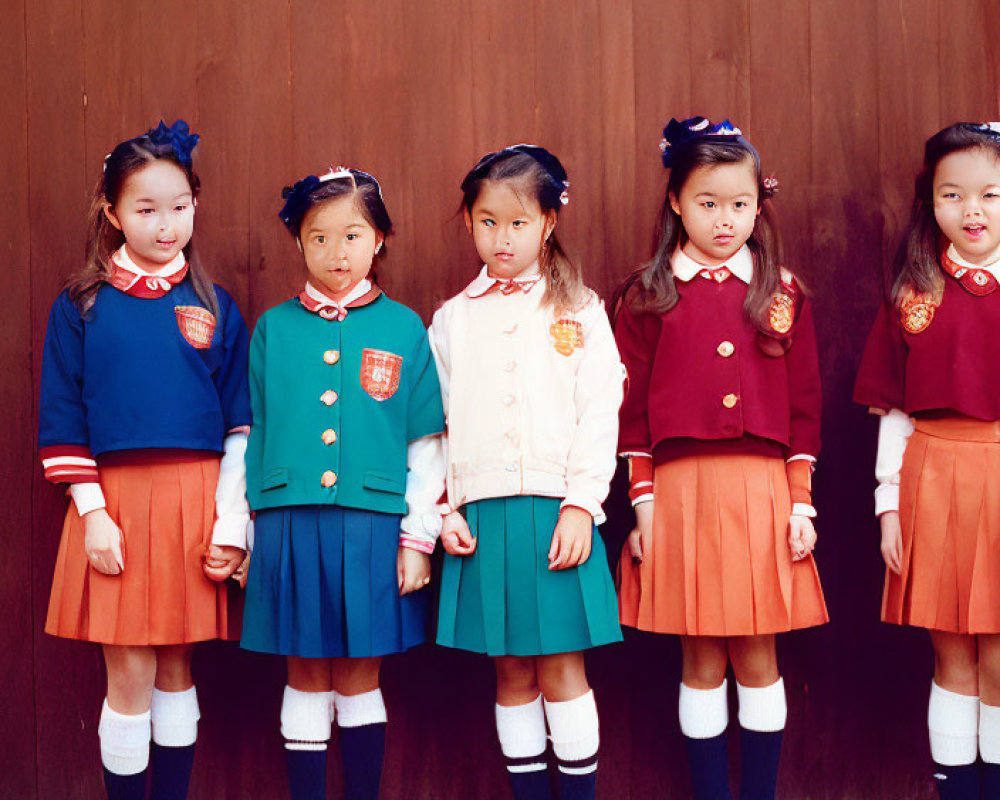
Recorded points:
178,136
680,133
297,201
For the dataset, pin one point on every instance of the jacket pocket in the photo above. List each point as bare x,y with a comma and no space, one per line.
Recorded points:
380,482
274,479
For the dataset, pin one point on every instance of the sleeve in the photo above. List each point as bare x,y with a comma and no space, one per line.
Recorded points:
598,398
804,389
636,335
231,380
232,514
255,441
437,337
894,430
425,416
881,381
63,436
425,474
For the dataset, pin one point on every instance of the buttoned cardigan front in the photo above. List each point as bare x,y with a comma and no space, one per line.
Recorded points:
335,404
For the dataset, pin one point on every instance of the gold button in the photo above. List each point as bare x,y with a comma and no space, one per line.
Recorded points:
328,398
329,478
725,349
730,400
329,436
331,356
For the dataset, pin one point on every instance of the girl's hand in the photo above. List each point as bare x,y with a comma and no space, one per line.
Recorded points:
892,541
102,542
801,536
240,576
643,530
456,536
413,570
222,560
572,538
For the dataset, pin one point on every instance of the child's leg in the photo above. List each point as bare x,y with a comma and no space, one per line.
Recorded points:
572,715
704,714
953,715
521,727
361,720
174,714
306,716
989,714
761,694
124,729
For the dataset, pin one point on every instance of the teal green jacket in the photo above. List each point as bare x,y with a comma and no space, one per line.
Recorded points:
335,405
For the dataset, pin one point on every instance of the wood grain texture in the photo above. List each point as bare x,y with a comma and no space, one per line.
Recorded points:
837,96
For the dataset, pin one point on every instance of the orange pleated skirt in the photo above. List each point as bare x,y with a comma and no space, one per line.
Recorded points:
949,506
719,563
165,510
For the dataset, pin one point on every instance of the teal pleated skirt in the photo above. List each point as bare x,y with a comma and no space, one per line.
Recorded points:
504,599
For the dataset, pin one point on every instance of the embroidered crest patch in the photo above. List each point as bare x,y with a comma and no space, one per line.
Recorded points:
197,325
781,314
380,372
916,314
567,335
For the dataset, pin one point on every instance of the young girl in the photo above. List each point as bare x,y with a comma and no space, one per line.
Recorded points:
143,386
345,441
721,429
531,381
929,370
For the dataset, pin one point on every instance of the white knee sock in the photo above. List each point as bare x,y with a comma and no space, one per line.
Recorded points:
305,719
762,709
355,710
989,733
703,713
575,733
953,723
521,730
124,741
175,717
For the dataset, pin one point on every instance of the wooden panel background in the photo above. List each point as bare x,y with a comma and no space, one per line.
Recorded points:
838,95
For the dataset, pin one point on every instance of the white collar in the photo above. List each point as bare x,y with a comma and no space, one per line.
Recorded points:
685,268
992,265
172,267
483,282
363,287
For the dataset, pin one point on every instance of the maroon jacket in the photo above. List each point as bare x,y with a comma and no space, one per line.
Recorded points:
698,371
952,364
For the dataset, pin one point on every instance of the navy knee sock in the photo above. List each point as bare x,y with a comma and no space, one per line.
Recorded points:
171,771
709,764
990,777
957,783
125,787
760,754
362,750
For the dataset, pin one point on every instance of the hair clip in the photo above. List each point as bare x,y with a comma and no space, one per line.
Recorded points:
988,128
564,197
771,185
334,174
178,136
677,133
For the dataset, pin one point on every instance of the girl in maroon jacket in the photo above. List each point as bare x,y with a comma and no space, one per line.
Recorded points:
930,371
721,429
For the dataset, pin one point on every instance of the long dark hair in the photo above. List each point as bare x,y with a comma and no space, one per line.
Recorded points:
104,239
651,288
537,174
915,266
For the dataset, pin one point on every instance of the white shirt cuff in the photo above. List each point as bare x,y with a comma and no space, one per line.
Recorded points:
87,497
803,510
886,498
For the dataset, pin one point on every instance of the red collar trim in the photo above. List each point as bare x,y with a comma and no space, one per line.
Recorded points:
144,286
330,310
979,282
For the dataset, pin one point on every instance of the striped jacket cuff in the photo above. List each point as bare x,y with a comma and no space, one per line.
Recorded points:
68,463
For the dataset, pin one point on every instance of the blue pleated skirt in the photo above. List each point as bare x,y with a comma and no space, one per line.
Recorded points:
504,599
322,584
